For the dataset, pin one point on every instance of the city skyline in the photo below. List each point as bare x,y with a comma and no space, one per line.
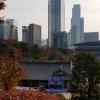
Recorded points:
37,12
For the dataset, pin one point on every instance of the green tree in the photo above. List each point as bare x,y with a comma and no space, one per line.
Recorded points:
26,49
85,76
36,52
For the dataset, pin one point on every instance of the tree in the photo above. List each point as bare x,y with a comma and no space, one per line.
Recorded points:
9,49
25,49
2,6
85,76
36,52
10,73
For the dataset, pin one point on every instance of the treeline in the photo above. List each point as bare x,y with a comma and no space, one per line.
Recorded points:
24,51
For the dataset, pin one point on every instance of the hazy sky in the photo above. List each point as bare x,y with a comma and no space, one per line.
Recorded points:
36,11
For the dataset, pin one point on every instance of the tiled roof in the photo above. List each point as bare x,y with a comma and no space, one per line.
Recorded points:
42,70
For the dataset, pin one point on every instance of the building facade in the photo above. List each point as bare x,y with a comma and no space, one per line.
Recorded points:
32,34
44,42
25,34
56,18
2,25
91,36
77,26
60,40
69,39
91,47
38,73
9,30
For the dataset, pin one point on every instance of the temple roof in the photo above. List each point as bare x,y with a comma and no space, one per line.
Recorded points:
43,70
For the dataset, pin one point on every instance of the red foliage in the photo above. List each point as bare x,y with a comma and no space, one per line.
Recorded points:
26,95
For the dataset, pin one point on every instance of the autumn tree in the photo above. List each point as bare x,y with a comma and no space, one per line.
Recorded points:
85,77
9,49
10,70
10,73
2,6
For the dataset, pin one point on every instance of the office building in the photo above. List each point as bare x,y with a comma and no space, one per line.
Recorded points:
3,34
69,39
13,29
60,40
77,26
44,43
8,30
91,47
25,34
1,30
91,36
32,34
56,18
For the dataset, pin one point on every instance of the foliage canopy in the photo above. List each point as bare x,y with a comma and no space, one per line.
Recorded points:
85,77
10,73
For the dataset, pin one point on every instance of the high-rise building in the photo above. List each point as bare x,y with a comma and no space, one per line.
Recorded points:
13,29
25,34
32,34
44,43
2,31
56,18
91,36
8,30
77,25
69,39
60,40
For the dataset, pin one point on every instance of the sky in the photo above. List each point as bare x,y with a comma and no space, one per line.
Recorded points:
36,11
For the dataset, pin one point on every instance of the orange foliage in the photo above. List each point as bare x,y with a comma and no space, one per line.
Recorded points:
10,73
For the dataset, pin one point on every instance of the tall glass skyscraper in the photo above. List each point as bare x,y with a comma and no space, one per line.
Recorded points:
56,18
77,25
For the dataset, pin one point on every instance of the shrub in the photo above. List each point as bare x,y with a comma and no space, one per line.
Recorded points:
26,95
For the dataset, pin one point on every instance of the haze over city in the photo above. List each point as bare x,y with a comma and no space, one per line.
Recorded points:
36,11
50,49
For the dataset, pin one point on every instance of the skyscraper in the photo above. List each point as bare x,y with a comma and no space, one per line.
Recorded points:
77,26
8,29
3,34
56,18
25,35
32,34
13,29
60,40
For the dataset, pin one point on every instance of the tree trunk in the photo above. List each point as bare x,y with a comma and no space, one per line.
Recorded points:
89,93
90,88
